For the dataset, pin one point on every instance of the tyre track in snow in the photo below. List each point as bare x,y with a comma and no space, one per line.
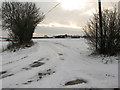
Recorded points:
71,53
67,51
18,72
51,50
52,53
68,54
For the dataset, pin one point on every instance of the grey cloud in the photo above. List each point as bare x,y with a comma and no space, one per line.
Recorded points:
63,16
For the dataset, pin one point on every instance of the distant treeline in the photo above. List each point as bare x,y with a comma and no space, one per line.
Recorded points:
61,36
47,37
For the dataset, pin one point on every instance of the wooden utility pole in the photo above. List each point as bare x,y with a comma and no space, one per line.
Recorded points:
96,36
101,30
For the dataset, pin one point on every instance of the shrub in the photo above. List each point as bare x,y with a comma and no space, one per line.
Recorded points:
20,19
111,32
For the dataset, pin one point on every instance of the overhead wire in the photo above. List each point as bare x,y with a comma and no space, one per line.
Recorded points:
52,9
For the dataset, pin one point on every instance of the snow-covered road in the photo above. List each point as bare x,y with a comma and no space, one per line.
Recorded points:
50,63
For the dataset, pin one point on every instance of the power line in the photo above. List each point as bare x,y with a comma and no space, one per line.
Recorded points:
52,9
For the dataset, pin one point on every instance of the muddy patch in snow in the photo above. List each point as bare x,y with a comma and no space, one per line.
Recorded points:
48,72
5,74
24,57
16,60
41,59
29,81
74,82
60,54
39,76
36,64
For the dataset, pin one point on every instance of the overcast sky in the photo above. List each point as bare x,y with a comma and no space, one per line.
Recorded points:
69,16
71,12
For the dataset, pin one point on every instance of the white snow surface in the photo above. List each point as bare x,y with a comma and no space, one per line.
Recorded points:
67,60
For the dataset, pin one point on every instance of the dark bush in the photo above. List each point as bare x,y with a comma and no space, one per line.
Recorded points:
20,19
111,32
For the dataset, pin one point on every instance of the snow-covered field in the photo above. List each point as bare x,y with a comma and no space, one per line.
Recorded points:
51,63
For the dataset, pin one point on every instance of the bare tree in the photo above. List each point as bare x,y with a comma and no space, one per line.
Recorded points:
20,19
111,32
